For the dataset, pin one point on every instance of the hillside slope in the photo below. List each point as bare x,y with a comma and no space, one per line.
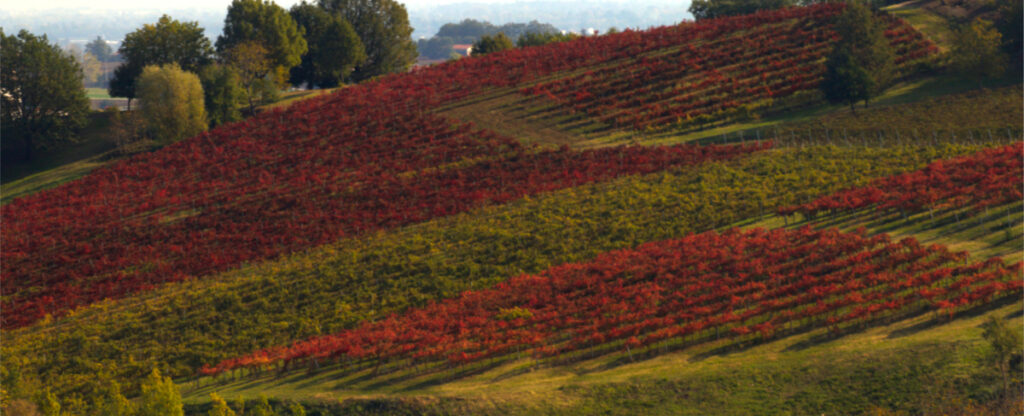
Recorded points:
342,210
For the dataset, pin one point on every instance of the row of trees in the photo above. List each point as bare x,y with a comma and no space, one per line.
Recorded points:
471,31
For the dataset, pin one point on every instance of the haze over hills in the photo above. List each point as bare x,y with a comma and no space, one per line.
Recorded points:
79,24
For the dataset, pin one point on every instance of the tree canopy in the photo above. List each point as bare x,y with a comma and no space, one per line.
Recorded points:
172,103
222,93
334,47
269,25
862,58
43,100
167,42
383,27
977,51
710,9
491,44
100,49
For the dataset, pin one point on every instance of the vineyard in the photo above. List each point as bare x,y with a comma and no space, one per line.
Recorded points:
328,168
721,73
372,245
986,179
703,285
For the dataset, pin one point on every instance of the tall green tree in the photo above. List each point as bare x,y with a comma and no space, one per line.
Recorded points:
269,25
845,80
383,27
254,66
710,9
172,103
1006,342
160,397
222,93
491,44
334,47
100,49
42,100
977,51
862,50
168,41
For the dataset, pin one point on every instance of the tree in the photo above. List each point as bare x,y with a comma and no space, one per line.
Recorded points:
159,397
383,27
222,93
91,70
544,38
491,44
269,25
111,402
100,49
334,47
43,100
1006,343
166,42
1011,27
437,47
862,50
262,407
172,103
710,9
845,80
296,409
977,51
220,407
253,63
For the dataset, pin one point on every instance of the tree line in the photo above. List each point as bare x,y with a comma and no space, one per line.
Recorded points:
189,83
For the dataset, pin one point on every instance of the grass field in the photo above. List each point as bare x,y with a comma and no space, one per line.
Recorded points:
97,93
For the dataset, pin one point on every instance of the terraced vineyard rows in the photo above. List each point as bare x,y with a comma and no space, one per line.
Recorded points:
986,179
743,282
705,82
182,327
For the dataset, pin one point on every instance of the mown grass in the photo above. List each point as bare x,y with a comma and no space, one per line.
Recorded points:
934,26
97,93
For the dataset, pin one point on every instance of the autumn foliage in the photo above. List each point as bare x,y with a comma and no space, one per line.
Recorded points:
697,288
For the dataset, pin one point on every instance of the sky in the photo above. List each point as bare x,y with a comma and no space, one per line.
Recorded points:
37,5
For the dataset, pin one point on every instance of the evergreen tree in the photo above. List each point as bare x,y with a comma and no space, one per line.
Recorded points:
100,49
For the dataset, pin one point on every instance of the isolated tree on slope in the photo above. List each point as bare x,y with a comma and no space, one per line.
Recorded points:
222,93
334,47
172,103
383,27
977,52
862,50
269,25
166,42
42,100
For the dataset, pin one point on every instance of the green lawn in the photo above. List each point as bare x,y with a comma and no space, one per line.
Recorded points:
97,93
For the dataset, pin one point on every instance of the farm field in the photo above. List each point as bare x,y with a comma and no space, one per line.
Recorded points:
579,228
